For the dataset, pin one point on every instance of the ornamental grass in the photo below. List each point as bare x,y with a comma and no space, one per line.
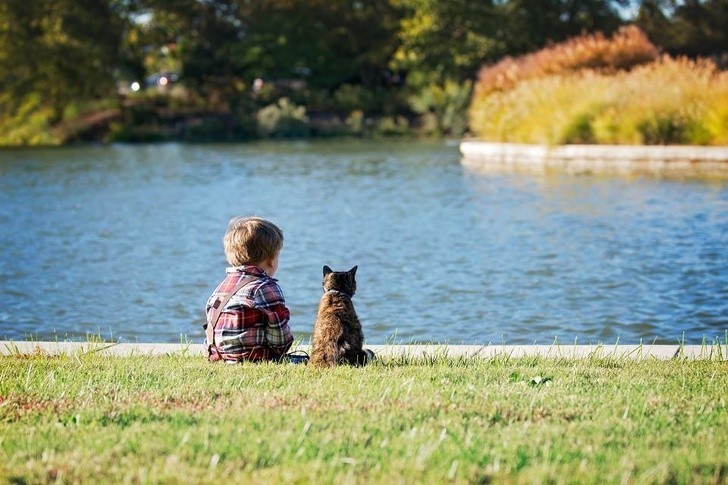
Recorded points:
628,47
602,95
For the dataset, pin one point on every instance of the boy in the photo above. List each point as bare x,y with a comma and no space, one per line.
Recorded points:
247,317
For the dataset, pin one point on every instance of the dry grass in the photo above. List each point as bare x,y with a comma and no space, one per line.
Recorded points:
627,48
670,101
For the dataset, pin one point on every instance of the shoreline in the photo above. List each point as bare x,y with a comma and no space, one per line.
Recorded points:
659,352
668,160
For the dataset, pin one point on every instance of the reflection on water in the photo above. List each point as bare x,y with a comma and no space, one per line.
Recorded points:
125,241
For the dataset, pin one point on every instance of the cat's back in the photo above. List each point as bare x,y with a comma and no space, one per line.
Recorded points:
335,304
337,331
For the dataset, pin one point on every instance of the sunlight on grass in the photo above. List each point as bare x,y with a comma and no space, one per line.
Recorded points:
90,417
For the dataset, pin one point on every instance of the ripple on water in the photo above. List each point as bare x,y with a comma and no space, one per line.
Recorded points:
444,254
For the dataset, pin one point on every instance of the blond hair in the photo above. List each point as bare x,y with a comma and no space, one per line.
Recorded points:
251,240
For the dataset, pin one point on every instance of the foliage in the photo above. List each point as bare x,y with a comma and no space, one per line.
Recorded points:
442,40
627,48
532,24
350,97
666,102
444,43
392,125
695,28
451,39
224,45
283,120
91,418
63,50
27,124
341,55
584,88
447,103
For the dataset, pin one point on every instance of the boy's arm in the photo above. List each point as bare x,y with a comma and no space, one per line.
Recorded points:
269,299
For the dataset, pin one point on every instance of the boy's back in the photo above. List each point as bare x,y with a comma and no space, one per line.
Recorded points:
253,323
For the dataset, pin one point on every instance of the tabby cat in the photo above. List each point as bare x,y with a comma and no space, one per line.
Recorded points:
337,334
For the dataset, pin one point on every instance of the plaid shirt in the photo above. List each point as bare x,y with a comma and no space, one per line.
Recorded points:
254,323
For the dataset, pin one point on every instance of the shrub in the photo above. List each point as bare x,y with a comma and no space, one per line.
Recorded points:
447,102
283,119
669,101
350,97
355,122
206,129
392,125
25,122
627,48
125,133
580,130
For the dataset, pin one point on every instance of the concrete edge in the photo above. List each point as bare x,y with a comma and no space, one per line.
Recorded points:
710,161
661,352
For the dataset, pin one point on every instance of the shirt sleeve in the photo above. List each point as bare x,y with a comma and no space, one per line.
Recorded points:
269,299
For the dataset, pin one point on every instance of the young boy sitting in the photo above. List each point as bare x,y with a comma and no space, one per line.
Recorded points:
247,317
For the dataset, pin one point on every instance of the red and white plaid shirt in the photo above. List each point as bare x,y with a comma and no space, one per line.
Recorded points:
254,323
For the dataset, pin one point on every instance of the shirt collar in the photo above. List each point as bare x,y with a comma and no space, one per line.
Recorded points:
250,269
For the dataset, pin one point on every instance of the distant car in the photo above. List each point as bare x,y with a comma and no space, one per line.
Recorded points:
161,79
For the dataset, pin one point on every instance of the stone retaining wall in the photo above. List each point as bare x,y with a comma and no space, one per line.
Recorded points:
618,159
390,351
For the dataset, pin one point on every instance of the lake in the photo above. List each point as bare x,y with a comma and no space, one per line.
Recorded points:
125,242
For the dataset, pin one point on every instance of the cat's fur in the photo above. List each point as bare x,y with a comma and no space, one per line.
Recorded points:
337,333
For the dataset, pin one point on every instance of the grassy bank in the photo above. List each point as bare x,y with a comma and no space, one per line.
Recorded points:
93,418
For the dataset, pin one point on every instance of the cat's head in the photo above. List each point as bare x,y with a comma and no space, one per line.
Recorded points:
343,281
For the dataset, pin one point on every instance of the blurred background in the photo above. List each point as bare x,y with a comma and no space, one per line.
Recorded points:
221,70
336,120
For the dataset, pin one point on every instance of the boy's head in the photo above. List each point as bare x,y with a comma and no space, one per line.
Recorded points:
252,240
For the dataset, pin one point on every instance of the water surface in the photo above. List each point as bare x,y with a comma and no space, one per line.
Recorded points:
125,242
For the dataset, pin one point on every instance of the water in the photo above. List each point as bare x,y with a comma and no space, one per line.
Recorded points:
125,242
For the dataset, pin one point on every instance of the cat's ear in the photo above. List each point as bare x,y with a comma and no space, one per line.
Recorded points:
327,270
353,270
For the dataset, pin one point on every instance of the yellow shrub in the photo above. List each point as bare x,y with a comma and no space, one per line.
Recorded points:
24,122
668,101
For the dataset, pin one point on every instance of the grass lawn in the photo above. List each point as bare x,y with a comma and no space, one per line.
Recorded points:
90,418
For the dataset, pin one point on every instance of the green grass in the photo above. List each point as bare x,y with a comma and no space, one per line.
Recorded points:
92,418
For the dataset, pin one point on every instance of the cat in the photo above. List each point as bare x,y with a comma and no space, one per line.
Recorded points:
337,333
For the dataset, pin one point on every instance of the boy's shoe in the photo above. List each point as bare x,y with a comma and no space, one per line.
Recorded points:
296,357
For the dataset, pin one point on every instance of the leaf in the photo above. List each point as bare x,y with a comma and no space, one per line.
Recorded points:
538,380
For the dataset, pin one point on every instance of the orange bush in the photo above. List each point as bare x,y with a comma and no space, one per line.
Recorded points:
627,48
668,101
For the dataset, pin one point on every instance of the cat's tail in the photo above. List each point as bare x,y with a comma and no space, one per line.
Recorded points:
363,357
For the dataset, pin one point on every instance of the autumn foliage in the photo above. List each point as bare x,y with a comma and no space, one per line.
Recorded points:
593,89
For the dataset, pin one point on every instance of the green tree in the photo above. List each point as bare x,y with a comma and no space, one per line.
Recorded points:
531,24
452,39
696,28
447,39
59,51
442,44
223,45
655,23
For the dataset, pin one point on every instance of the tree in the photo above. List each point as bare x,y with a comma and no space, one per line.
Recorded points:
447,39
223,45
62,51
692,27
532,24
